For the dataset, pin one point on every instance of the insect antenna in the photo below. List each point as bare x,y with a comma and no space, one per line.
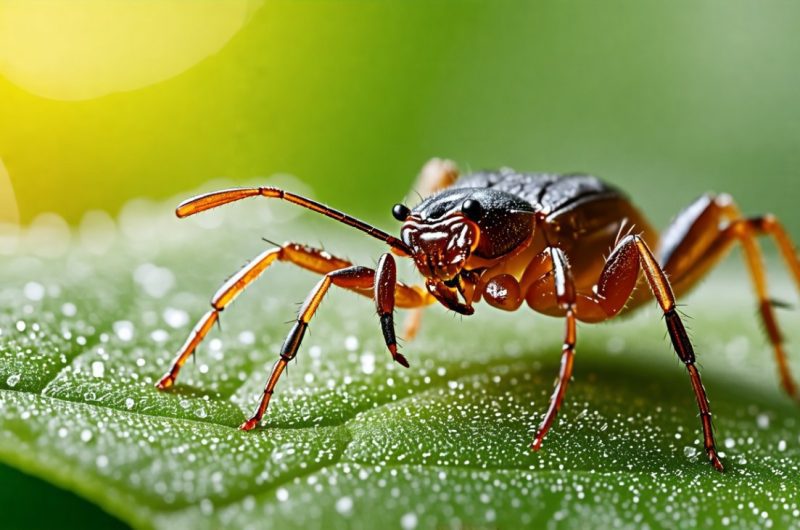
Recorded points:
271,242
418,194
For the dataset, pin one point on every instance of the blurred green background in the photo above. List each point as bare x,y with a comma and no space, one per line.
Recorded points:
105,100
101,101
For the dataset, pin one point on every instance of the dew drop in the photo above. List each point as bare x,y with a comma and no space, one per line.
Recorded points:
351,344
282,494
154,280
98,369
344,506
175,318
13,380
86,435
368,363
159,335
124,330
33,291
247,337
408,521
129,403
69,309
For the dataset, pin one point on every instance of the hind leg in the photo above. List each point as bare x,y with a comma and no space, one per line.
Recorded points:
703,233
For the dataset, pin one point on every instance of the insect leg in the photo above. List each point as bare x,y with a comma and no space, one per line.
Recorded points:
769,225
436,175
704,234
223,297
384,286
309,258
412,323
356,278
565,298
623,264
218,198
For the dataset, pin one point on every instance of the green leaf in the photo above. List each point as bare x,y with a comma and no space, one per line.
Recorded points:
352,439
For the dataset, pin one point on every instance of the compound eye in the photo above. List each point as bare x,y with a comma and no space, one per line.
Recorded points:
401,212
472,209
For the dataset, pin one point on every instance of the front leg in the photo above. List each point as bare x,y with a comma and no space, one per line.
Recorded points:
356,278
384,286
448,296
313,259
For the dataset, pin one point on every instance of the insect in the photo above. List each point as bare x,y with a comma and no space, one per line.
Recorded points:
509,238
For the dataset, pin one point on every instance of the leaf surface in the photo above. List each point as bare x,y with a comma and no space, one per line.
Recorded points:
352,439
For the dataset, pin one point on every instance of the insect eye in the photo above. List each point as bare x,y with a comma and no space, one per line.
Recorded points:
472,209
401,212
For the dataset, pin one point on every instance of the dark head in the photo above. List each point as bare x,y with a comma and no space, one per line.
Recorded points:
446,229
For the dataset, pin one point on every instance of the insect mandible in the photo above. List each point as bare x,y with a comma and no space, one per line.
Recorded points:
507,238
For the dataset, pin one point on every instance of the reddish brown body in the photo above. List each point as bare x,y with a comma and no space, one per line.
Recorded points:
565,245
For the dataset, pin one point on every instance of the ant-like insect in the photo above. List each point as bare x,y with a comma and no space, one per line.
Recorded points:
508,238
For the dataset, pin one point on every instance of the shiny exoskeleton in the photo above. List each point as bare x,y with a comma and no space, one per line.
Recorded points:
510,238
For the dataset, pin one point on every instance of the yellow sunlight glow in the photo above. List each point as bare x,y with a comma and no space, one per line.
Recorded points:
83,49
9,212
